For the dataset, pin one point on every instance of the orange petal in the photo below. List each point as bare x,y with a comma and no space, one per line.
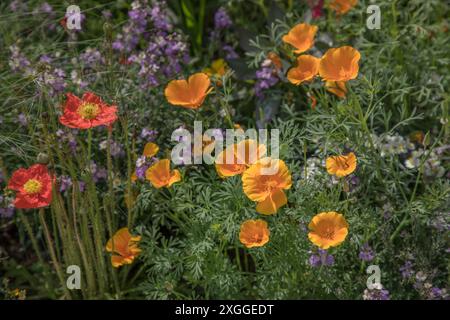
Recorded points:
301,37
150,149
307,68
272,203
174,177
338,88
339,64
117,261
177,93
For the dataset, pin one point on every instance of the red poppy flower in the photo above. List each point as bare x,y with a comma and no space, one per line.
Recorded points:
33,187
88,112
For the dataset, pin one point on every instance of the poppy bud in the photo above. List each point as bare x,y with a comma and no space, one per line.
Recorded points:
42,158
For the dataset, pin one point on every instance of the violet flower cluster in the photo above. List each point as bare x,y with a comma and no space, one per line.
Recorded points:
266,77
366,253
148,39
322,258
46,76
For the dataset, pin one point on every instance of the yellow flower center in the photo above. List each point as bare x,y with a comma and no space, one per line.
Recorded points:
328,233
32,186
346,74
89,111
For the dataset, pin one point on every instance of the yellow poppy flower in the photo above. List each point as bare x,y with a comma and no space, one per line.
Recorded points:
328,229
218,68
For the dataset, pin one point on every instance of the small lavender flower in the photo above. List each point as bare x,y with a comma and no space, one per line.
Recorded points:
323,258
77,80
353,182
7,212
53,80
366,253
22,119
142,164
45,59
65,182
230,52
376,294
266,78
44,8
18,6
222,19
98,173
159,18
148,135
166,50
436,293
91,58
107,14
116,148
81,186
407,270
18,62
69,138
314,260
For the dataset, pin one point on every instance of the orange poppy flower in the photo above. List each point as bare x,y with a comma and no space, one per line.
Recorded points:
124,247
236,158
150,149
301,37
342,165
267,189
307,68
33,187
159,174
342,6
254,233
339,64
206,147
337,87
88,112
328,229
188,93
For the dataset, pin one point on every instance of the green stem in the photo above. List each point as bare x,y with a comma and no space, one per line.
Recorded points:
52,252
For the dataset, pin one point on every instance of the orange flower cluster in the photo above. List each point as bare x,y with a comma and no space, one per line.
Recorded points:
336,67
263,180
